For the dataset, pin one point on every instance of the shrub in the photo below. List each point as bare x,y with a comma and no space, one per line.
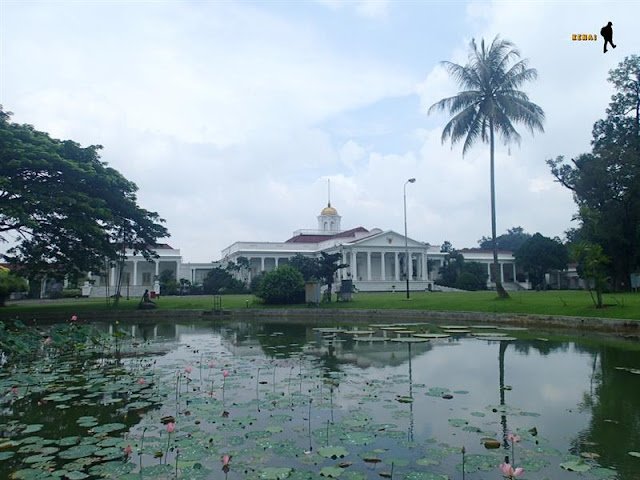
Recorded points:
468,281
71,293
285,285
10,283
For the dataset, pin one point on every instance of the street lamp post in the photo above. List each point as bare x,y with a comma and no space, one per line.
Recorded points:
406,242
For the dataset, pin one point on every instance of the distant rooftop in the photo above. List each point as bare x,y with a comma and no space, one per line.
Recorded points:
316,236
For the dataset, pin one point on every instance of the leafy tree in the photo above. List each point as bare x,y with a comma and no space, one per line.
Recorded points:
282,286
489,104
457,273
168,284
512,240
592,266
307,266
10,283
540,254
256,281
65,208
328,265
606,182
185,286
240,267
219,280
446,247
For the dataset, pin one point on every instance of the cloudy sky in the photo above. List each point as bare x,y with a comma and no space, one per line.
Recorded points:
231,116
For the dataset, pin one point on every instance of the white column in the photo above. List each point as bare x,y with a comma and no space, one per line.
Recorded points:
501,272
262,264
369,266
354,265
157,262
277,261
382,269
135,272
177,270
514,272
489,272
397,267
112,277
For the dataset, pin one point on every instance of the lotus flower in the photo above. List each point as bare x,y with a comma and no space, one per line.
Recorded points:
188,369
74,318
510,472
513,438
225,373
128,450
47,340
141,381
225,464
171,427
212,364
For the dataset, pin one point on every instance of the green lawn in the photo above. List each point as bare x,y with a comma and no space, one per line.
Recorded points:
572,303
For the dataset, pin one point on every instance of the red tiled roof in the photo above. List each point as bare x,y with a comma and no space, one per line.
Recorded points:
304,238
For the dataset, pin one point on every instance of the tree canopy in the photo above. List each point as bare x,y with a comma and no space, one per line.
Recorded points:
512,240
606,182
65,210
457,273
488,105
322,268
281,286
539,254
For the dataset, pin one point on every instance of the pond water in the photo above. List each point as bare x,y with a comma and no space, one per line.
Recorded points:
291,401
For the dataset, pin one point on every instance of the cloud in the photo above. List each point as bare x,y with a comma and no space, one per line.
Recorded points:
230,117
374,9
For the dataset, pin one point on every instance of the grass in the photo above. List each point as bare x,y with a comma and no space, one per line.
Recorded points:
567,302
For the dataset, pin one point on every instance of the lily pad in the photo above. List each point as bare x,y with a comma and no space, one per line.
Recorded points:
331,472
275,473
576,466
333,452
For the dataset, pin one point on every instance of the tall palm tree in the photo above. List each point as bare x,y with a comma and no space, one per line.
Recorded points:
489,104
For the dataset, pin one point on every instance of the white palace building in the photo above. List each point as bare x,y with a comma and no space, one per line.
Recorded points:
375,258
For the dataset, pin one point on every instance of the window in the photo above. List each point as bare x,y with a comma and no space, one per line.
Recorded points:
146,278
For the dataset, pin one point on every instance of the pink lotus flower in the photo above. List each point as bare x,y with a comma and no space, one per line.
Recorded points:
74,318
14,390
212,364
510,472
513,438
171,427
47,340
141,381
188,369
225,373
225,460
128,450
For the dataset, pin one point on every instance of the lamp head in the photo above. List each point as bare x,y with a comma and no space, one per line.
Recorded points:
412,180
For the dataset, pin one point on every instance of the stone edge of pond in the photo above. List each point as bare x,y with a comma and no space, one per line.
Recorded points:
324,316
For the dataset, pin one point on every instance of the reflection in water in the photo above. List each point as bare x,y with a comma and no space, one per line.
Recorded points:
582,395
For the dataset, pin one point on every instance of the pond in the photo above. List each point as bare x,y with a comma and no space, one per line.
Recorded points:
237,400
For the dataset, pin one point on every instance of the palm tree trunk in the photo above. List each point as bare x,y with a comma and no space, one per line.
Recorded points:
502,293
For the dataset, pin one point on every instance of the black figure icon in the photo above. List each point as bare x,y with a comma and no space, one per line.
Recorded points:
607,34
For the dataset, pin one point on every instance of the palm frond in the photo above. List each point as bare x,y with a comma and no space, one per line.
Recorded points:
456,103
490,97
